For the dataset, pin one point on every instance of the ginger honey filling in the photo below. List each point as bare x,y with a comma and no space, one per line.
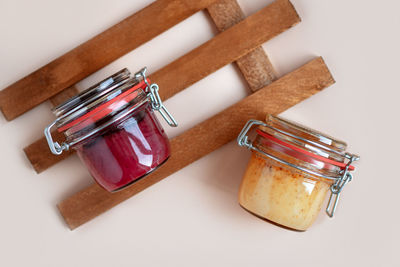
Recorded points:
290,172
277,193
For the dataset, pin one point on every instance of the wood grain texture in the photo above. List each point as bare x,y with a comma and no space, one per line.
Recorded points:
255,66
38,152
40,156
94,54
205,138
225,14
64,95
201,61
231,45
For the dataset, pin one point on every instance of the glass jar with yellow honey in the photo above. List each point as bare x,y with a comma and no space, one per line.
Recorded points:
291,170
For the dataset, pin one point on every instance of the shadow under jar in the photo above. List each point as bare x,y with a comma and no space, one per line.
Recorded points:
291,170
113,128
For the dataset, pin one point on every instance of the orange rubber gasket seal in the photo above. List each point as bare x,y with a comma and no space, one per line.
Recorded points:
103,110
339,164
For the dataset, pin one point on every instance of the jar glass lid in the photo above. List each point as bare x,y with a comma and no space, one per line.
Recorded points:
98,99
92,93
308,140
312,151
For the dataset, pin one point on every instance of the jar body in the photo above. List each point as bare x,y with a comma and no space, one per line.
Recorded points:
125,151
281,194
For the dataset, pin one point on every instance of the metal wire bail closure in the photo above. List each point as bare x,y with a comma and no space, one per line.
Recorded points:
153,96
55,147
337,187
155,99
339,182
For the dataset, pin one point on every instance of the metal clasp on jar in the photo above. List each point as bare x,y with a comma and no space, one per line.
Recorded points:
55,147
339,182
155,99
337,187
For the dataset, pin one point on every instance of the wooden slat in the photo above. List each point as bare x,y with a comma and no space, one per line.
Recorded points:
257,69
64,95
225,14
226,47
205,138
94,54
38,152
255,66
200,62
40,156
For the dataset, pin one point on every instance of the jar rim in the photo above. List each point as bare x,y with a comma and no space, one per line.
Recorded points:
90,94
101,105
83,134
299,147
97,98
308,139
318,157
106,105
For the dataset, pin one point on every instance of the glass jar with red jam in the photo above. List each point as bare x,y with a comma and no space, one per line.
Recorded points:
113,128
291,170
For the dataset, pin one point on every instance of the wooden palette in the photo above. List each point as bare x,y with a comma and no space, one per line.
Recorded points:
239,41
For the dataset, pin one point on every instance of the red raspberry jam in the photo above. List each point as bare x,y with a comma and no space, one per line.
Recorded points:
127,151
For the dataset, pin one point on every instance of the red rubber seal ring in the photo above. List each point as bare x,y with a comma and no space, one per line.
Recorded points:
106,108
342,165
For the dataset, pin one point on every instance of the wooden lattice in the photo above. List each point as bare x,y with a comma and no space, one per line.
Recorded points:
239,42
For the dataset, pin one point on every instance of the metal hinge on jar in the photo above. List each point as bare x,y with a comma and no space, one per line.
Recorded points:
337,187
155,99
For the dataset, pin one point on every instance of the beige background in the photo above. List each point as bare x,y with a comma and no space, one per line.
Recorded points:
192,218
